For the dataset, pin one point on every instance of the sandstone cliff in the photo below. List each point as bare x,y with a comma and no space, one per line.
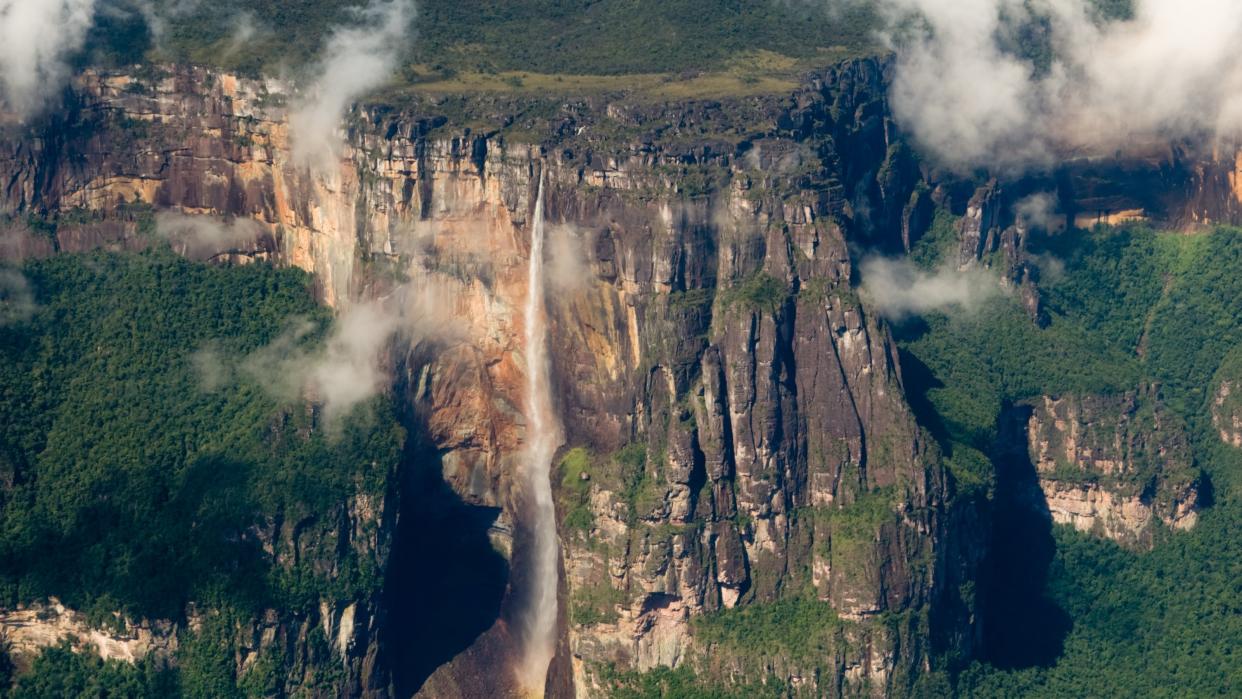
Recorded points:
736,429
1226,406
706,324
1114,465
28,630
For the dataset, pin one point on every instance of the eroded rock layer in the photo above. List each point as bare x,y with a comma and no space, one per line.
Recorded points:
1114,465
736,429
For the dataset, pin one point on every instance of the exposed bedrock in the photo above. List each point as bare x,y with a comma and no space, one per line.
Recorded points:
1116,466
735,420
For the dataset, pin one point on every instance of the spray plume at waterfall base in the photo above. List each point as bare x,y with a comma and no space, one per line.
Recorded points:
543,436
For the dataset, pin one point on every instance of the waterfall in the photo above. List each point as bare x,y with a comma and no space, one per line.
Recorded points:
543,436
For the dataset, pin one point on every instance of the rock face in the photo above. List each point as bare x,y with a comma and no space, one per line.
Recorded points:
740,407
737,413
1114,465
344,633
990,234
334,635
1225,413
29,630
1227,400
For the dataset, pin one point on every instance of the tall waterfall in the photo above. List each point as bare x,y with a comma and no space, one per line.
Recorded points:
543,436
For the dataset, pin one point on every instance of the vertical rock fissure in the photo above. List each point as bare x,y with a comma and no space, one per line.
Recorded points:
543,436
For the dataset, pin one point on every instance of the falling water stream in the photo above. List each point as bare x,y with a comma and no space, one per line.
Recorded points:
543,436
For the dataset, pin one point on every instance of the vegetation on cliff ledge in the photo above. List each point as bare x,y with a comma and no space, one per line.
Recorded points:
134,478
1072,615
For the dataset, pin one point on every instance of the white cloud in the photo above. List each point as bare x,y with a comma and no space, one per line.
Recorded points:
339,373
357,59
37,39
16,299
898,288
204,237
1039,211
567,267
1168,73
353,363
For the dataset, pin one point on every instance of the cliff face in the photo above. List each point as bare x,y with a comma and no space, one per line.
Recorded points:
741,413
338,633
736,429
28,631
1114,465
1226,404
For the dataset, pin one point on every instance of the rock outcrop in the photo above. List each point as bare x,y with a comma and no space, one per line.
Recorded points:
1226,407
739,415
1226,416
745,414
28,630
1114,465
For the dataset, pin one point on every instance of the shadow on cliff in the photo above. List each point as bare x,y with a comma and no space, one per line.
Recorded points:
919,380
1022,626
445,580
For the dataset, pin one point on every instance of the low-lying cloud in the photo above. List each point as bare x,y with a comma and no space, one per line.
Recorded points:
339,373
356,60
1169,72
16,298
245,30
567,267
1039,212
897,288
204,237
37,39
353,363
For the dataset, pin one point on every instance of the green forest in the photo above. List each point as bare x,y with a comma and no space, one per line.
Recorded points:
1131,304
547,36
135,467
591,37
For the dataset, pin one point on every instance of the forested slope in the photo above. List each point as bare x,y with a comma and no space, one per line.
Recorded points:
146,469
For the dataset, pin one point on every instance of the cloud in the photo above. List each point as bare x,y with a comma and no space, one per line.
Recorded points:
16,299
204,237
339,373
348,370
567,267
356,60
1039,211
245,29
351,365
212,370
1051,268
1168,72
897,288
37,38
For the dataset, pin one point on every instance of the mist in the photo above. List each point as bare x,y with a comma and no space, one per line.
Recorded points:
204,237
897,288
16,298
37,39
567,267
1039,212
356,60
1169,72
350,365
339,373
245,30
214,372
